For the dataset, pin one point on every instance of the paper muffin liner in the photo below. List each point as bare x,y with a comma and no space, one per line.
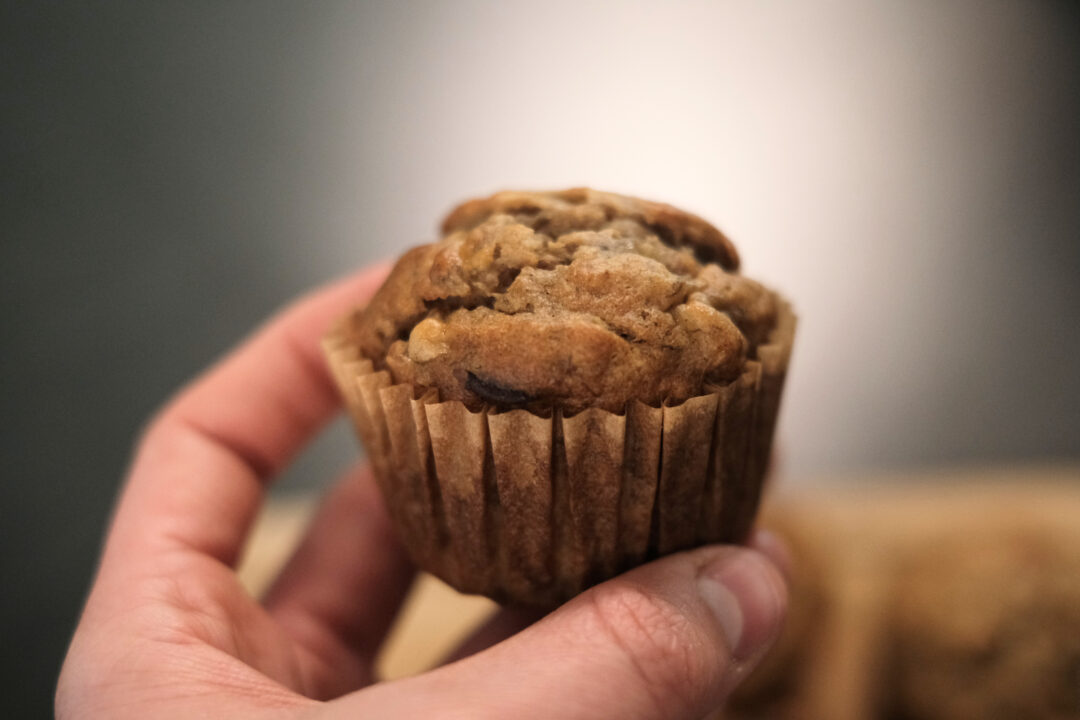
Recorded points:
532,508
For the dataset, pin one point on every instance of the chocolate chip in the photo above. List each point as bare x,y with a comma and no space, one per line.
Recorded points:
506,278
495,393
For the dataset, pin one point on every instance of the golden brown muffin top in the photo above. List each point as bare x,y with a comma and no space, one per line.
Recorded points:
572,299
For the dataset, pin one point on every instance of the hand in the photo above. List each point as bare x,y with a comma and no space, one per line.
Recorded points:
168,631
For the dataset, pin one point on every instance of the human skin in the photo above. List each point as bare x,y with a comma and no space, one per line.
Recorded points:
168,630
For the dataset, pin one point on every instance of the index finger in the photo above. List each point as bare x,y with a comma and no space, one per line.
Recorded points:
202,465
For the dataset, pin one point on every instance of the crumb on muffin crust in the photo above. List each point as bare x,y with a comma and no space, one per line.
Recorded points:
571,299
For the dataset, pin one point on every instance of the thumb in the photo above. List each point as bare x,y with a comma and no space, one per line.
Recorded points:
667,640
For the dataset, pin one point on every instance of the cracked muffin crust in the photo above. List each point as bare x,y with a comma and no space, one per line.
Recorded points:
570,299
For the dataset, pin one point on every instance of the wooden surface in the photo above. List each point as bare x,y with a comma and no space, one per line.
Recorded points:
870,516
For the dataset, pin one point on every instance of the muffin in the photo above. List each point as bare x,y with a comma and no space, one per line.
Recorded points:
987,626
567,384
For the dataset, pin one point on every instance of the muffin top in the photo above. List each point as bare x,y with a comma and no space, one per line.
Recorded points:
570,299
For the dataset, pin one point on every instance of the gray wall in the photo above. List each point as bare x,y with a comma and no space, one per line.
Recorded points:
909,173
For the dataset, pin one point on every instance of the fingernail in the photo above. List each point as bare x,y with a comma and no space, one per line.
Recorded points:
774,546
742,590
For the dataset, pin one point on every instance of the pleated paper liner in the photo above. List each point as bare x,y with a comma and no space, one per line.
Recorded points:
532,508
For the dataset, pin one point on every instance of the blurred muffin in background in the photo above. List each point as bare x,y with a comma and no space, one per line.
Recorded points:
987,626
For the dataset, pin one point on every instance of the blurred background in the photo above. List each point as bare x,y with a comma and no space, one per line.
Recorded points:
907,172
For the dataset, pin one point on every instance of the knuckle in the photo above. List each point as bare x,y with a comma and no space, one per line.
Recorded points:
158,437
663,648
